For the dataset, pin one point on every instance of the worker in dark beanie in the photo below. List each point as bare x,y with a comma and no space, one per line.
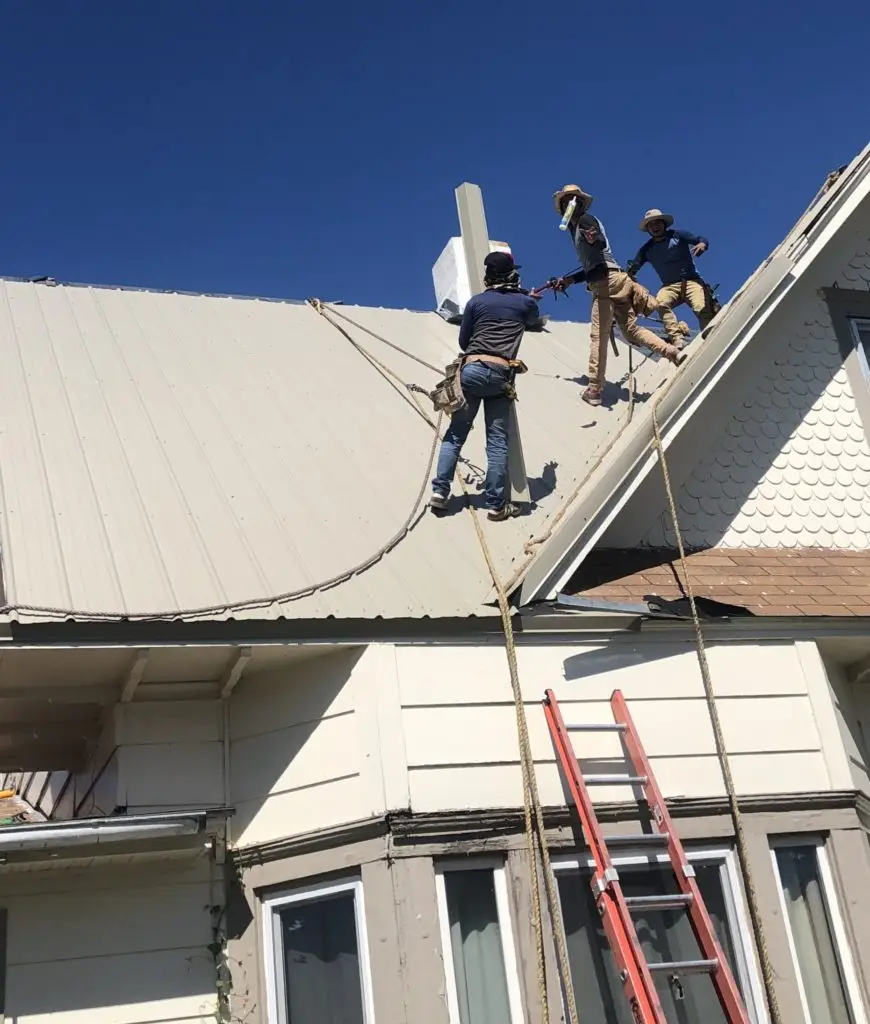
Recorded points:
492,329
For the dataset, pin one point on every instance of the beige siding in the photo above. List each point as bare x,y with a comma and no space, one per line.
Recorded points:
109,946
310,744
460,731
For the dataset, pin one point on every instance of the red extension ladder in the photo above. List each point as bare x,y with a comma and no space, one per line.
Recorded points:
635,972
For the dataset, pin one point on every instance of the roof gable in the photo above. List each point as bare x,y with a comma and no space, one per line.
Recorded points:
711,369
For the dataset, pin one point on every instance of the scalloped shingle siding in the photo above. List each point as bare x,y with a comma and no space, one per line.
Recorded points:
790,471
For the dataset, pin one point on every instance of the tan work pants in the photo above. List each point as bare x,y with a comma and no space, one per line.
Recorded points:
619,297
691,292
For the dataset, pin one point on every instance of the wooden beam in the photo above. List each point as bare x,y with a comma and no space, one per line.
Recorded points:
475,235
134,675
233,671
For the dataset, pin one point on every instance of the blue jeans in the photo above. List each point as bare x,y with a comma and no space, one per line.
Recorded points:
487,383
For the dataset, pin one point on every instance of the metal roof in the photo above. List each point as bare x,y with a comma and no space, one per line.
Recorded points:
166,454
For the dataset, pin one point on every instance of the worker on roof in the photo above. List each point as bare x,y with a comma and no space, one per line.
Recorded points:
672,253
493,324
614,293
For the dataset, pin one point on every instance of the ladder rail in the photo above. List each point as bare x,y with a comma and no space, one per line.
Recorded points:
702,925
635,975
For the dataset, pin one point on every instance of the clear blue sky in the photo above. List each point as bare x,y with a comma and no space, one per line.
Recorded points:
294,149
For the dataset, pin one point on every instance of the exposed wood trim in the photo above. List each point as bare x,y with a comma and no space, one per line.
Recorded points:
479,830
843,304
134,675
233,672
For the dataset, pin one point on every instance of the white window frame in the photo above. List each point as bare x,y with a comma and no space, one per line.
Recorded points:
842,947
864,323
732,891
272,906
505,925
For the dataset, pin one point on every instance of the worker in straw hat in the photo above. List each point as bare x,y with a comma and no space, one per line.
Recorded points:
614,294
672,254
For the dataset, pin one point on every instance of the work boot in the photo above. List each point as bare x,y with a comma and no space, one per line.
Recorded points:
676,356
592,395
508,511
438,501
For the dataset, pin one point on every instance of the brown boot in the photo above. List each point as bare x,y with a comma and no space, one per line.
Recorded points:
592,395
676,356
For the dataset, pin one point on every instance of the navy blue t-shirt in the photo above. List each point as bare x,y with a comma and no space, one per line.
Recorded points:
671,257
494,321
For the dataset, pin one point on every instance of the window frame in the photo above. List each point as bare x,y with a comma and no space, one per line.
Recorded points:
274,968
842,946
735,908
505,924
857,323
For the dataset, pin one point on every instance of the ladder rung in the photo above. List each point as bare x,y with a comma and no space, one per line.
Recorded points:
676,902
641,839
615,780
604,727
686,966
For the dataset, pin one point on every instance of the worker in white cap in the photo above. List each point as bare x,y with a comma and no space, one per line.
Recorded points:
614,294
672,254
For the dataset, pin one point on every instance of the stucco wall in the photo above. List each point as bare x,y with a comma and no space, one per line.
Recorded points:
109,945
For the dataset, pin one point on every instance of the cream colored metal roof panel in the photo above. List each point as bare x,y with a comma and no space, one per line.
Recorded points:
162,453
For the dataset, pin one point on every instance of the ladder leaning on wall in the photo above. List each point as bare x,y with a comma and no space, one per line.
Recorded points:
635,972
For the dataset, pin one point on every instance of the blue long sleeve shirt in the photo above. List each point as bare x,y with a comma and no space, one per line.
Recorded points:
494,322
671,258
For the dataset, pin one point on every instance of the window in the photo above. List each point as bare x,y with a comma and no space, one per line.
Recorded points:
664,936
861,340
826,975
316,956
477,938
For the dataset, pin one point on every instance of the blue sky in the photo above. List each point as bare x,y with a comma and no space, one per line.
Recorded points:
292,149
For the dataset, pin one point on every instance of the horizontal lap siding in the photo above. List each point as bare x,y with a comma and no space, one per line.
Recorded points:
460,731
109,946
295,749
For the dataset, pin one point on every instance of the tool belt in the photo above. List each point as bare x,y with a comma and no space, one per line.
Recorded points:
713,304
448,395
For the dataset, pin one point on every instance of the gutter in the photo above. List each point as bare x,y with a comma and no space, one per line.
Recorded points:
58,835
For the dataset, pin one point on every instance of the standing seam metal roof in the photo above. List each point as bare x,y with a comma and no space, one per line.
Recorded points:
161,452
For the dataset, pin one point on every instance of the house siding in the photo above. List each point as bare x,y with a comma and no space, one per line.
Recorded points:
460,732
298,761
109,946
789,465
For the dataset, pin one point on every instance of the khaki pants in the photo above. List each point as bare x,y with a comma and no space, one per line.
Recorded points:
691,292
619,297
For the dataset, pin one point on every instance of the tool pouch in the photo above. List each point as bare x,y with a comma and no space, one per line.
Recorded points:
447,396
